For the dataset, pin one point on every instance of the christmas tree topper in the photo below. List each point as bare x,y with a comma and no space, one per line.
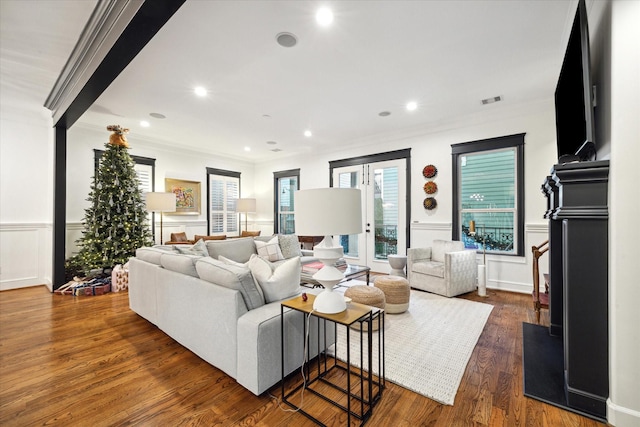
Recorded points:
118,137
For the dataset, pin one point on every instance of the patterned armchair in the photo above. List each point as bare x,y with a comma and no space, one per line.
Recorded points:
446,268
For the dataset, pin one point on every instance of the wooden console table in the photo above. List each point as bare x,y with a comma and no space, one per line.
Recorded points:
313,240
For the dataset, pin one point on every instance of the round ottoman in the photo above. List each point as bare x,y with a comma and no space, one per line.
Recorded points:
368,295
396,292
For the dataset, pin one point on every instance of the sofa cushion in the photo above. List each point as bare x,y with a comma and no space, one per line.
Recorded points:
431,268
239,250
269,250
206,238
152,255
232,277
441,247
279,283
289,245
179,263
199,249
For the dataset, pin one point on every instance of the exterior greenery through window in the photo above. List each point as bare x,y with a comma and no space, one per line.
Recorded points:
285,184
489,190
223,189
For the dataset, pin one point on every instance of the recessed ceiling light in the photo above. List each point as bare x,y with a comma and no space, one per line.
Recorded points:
157,116
271,142
266,116
308,133
324,16
286,39
247,148
412,105
145,124
384,113
200,91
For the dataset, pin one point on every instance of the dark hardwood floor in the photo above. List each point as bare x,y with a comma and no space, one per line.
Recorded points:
90,361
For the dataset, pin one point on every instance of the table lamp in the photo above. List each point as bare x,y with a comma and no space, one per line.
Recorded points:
160,202
328,212
246,206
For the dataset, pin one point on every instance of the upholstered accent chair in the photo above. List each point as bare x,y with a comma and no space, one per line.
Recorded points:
445,268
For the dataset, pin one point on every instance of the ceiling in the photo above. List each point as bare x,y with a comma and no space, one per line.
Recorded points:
376,56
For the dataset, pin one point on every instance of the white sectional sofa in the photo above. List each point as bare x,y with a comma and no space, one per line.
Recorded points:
216,309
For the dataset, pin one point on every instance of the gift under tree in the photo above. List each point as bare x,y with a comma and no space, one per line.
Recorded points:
115,224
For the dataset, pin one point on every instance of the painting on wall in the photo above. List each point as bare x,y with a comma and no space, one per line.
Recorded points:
187,196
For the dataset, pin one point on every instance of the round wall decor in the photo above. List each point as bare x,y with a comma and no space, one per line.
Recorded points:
430,203
429,171
430,187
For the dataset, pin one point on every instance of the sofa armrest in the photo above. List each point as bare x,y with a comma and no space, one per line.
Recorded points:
460,266
418,254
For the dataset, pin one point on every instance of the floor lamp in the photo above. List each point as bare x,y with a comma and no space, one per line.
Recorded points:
245,206
161,202
482,269
328,212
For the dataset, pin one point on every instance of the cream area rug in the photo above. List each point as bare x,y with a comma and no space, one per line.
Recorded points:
427,348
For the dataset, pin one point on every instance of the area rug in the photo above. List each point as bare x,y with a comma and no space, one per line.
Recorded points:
428,347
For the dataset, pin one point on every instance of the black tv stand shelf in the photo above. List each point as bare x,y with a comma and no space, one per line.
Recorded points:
577,196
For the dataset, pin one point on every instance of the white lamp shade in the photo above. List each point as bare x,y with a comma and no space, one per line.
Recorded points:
161,202
328,211
246,205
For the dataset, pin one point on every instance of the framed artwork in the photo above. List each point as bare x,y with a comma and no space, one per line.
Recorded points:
187,196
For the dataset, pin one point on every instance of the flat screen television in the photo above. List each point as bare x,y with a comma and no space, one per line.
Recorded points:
575,135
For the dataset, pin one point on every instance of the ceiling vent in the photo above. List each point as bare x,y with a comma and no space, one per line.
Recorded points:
491,100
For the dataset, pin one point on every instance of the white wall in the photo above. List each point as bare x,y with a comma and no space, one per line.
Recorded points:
434,147
26,189
622,82
171,162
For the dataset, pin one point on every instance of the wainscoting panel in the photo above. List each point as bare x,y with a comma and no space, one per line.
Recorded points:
26,255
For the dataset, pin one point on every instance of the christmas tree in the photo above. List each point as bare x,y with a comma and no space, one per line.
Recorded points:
115,224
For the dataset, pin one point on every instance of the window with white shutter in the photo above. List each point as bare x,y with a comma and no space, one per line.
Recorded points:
223,189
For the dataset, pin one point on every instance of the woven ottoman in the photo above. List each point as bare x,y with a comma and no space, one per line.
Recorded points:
396,292
368,295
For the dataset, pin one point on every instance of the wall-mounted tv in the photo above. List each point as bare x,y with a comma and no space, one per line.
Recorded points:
573,97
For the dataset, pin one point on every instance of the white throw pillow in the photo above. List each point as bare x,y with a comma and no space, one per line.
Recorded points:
269,250
278,284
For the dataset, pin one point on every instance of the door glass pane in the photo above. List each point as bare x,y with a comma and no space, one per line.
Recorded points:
349,243
385,211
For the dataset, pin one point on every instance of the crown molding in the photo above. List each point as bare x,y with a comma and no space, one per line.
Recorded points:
107,22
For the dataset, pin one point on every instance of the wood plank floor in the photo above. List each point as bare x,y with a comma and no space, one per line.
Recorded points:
90,361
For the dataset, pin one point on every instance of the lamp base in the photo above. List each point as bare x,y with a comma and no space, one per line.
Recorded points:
482,280
329,302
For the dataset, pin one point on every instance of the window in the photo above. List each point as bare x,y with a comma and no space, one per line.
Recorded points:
223,189
488,182
285,184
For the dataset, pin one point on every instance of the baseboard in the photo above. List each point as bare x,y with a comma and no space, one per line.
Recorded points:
620,416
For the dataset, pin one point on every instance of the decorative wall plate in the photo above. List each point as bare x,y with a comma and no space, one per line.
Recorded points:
430,203
429,171
430,187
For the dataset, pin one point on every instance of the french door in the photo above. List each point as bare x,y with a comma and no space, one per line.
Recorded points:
383,189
